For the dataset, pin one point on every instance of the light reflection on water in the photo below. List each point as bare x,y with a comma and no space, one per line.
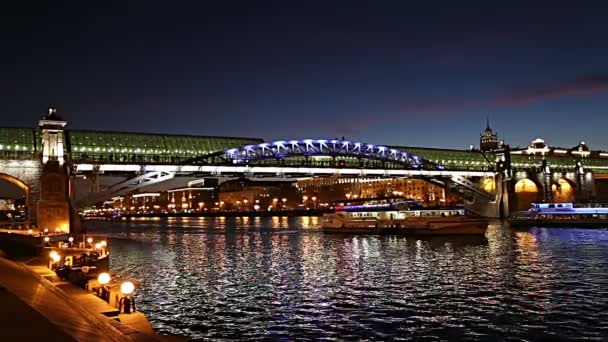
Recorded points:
227,278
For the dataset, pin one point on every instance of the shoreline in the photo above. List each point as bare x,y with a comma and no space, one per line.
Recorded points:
66,309
294,213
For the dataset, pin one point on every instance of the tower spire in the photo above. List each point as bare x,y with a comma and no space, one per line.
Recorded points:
487,122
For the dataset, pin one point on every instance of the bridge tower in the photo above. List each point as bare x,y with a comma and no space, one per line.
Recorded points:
53,208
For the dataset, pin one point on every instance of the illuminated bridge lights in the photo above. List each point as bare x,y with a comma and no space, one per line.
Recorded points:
322,147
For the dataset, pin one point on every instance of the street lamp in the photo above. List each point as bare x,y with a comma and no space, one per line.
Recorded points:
55,258
126,301
104,293
314,202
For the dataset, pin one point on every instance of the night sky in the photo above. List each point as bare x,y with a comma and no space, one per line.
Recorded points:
377,71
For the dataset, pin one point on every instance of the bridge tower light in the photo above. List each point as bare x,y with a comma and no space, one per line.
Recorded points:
51,127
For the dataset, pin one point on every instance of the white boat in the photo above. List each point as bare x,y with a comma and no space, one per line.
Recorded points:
405,222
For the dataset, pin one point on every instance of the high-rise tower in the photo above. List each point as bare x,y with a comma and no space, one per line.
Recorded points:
488,140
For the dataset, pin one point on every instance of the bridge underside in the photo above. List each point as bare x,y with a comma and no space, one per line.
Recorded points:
147,178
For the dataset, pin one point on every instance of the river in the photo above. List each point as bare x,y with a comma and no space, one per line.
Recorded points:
279,278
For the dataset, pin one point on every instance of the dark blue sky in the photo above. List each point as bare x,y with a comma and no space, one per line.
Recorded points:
377,71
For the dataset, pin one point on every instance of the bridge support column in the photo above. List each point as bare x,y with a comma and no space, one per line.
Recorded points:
53,207
503,185
547,182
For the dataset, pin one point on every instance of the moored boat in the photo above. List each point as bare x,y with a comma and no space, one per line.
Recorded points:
407,222
592,215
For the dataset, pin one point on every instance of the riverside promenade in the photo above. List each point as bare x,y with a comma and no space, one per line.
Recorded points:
38,306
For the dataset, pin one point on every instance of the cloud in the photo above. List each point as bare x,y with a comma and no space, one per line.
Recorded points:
580,86
433,108
438,107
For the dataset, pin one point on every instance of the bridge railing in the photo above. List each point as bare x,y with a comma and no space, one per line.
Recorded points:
19,155
109,158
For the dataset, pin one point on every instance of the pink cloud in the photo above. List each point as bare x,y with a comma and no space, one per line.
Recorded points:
442,107
581,86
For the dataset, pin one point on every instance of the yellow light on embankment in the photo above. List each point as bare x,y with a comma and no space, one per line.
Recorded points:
103,278
127,288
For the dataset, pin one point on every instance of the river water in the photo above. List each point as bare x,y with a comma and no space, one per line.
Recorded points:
279,278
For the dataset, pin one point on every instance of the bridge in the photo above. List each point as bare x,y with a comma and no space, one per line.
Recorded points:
112,163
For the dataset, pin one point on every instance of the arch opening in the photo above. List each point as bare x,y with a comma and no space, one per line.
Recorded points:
563,190
526,193
14,200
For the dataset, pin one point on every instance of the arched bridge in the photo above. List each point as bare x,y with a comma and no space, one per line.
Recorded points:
320,153
297,158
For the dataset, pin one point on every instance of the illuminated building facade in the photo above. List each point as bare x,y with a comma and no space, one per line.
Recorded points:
488,140
334,188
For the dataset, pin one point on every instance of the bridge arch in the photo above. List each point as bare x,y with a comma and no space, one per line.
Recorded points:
563,190
15,181
276,152
18,183
24,174
527,191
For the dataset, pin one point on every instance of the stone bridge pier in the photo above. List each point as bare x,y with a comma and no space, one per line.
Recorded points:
43,176
528,187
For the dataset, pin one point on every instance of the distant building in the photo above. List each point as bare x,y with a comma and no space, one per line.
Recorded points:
488,140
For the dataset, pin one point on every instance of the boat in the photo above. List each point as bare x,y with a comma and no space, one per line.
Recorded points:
562,215
405,222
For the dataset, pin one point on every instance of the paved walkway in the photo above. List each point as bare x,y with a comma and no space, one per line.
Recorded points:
45,310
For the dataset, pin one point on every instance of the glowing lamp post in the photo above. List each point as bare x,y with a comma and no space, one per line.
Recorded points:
71,241
314,202
90,241
103,278
103,292
55,258
126,301
274,202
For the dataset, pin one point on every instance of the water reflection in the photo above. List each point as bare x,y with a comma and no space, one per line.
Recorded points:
228,278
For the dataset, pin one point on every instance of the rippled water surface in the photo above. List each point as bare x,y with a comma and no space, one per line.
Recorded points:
276,278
